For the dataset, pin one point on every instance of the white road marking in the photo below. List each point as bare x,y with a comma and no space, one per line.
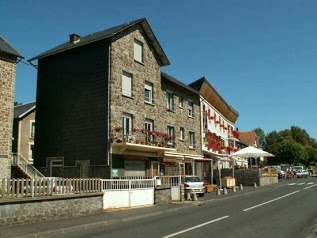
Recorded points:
310,183
195,227
310,186
250,208
291,184
301,183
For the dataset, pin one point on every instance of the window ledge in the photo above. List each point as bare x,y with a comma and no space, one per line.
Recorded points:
131,97
141,63
149,103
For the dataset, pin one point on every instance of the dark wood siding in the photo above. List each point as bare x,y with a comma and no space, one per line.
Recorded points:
71,110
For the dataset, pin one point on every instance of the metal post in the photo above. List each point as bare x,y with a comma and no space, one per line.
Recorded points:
211,172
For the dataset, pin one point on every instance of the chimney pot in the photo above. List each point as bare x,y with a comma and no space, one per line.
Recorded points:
73,38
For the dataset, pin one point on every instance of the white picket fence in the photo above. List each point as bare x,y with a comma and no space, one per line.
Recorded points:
18,188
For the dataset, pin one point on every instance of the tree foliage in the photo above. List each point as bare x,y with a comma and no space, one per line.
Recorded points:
291,146
261,137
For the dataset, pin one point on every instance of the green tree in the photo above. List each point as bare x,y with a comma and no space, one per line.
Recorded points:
261,137
272,141
291,152
311,156
300,135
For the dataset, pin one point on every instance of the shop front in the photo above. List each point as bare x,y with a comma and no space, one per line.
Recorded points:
137,161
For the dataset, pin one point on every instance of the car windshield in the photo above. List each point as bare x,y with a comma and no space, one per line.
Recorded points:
192,179
298,167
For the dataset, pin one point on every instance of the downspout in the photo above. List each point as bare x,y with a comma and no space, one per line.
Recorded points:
109,113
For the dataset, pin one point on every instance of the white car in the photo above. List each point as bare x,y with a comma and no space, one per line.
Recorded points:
301,172
193,184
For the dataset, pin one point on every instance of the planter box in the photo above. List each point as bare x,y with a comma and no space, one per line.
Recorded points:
228,182
209,188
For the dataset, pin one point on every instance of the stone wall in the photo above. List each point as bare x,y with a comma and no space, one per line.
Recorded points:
7,85
268,180
246,177
34,210
162,196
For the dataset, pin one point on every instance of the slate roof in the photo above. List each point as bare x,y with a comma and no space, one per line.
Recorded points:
7,48
174,80
22,110
108,33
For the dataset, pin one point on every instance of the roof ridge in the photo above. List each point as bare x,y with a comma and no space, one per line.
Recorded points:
18,53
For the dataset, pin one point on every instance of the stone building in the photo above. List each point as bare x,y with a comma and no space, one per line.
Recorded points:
104,108
23,132
8,62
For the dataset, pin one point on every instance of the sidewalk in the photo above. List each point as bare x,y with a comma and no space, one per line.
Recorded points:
53,228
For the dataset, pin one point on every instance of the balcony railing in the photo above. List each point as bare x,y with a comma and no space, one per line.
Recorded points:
144,138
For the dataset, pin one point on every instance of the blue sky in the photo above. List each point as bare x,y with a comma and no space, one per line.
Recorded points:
261,56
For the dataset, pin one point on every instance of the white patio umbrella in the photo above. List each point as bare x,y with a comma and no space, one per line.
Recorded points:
251,152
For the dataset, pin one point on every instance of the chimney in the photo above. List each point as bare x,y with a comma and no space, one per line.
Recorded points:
74,38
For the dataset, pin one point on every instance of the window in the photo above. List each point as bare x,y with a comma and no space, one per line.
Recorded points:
171,134
32,129
148,92
31,151
170,101
190,108
181,101
127,84
148,128
191,139
138,51
182,133
127,123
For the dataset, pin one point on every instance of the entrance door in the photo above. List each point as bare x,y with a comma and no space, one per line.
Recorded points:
181,169
155,168
56,168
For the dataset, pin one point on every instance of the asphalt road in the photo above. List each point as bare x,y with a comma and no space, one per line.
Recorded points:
287,210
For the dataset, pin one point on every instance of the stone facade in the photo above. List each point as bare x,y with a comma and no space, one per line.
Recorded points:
7,86
26,211
149,71
122,60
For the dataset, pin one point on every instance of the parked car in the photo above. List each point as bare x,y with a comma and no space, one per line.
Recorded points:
193,184
301,172
281,174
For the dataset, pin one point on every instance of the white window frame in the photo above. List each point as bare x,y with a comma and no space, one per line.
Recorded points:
31,152
182,133
148,87
138,51
170,101
127,124
127,79
170,132
191,139
149,126
181,102
32,128
190,108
